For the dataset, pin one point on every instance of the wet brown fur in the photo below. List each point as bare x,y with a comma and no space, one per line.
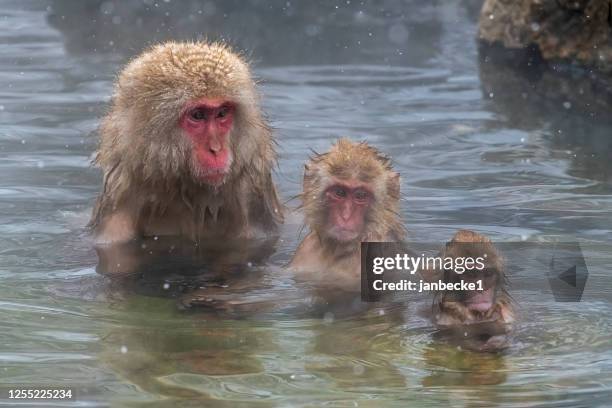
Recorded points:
150,175
320,256
450,311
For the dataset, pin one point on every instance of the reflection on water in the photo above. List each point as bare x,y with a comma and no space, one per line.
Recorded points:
572,107
313,32
481,146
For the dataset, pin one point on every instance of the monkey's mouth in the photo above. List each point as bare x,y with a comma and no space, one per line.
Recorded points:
480,301
214,177
210,170
344,234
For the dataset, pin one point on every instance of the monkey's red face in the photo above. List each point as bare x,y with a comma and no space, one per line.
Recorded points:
479,301
347,205
208,122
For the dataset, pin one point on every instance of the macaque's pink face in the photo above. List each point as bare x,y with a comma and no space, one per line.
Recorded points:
347,206
208,122
476,300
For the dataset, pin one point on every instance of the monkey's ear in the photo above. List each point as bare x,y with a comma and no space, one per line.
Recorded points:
393,185
308,175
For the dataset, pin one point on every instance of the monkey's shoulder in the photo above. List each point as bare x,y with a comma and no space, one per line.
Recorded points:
314,263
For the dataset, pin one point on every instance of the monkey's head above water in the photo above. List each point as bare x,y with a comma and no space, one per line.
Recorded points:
475,304
351,193
185,112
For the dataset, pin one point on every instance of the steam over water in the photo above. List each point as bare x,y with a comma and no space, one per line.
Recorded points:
478,146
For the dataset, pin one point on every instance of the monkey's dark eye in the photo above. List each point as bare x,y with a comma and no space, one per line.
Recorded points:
198,114
340,192
223,111
361,195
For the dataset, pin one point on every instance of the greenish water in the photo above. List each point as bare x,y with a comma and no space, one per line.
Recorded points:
477,147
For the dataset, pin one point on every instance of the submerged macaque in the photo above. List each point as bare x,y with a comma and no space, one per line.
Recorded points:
351,195
480,318
185,150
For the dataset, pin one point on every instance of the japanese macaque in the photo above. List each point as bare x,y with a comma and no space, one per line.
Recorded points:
185,149
480,318
351,195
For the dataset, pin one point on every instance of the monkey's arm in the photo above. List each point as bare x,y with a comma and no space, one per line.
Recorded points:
306,254
117,227
119,259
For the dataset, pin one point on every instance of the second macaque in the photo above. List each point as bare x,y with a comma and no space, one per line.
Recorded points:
481,319
351,195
